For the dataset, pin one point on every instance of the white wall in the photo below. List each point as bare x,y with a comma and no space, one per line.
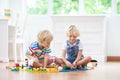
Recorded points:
15,6
3,5
34,24
113,36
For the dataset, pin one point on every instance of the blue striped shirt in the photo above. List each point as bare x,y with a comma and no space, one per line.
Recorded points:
34,48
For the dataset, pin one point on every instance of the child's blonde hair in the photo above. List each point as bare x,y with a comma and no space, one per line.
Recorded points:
45,36
73,30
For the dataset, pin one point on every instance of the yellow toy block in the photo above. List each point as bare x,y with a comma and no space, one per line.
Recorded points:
52,69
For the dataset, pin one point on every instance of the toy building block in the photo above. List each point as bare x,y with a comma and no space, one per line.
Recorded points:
15,69
52,69
64,67
26,62
17,65
36,69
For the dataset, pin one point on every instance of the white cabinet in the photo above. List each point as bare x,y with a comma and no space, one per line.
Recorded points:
4,40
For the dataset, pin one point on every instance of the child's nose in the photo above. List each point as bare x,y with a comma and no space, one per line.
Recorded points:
72,37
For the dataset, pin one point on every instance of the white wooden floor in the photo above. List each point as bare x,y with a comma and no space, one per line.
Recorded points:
104,71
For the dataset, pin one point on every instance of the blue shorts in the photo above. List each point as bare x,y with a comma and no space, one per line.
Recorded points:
72,60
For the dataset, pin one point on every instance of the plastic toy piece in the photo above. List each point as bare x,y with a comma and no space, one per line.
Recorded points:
42,70
22,66
15,69
17,65
26,62
64,67
52,69
36,69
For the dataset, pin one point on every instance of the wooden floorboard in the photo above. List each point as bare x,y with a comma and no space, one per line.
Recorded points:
104,71
113,58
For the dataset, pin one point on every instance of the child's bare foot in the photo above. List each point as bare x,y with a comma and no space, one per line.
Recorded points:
37,65
80,66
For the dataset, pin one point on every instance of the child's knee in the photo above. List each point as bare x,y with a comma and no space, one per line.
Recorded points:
59,60
37,64
89,58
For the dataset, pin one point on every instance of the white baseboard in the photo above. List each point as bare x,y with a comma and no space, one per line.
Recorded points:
4,59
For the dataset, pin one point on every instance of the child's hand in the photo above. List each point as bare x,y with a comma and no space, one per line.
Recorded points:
68,64
35,59
74,64
73,67
42,56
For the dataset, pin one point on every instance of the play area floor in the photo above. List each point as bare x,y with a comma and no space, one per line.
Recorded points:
104,71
